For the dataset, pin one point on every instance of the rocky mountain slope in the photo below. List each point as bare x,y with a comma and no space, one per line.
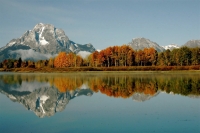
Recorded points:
192,43
141,43
42,39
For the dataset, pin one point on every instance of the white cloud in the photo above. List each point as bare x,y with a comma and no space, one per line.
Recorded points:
84,54
30,86
31,54
98,50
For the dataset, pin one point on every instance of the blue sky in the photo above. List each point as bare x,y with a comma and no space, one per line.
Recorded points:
104,22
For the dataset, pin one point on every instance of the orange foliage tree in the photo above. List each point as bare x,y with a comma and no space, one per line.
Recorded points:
94,59
79,61
61,60
113,56
67,60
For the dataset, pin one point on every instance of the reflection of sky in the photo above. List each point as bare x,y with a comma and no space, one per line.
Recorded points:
30,86
99,113
164,113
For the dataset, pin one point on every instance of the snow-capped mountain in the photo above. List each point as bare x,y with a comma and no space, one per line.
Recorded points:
189,44
42,39
192,43
171,46
141,43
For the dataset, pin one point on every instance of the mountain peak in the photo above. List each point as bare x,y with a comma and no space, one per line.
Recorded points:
42,25
192,43
44,39
141,43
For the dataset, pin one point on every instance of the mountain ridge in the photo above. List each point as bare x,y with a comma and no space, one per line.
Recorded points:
43,39
141,43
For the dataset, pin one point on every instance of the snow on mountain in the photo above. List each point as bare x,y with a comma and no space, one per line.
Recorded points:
71,48
41,38
171,46
12,42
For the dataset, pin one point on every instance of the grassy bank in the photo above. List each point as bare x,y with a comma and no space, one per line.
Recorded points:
132,68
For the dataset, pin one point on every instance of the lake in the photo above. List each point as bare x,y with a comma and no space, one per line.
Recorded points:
144,102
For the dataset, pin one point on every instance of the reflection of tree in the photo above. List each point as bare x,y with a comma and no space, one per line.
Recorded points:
126,86
182,85
65,83
116,86
146,86
123,86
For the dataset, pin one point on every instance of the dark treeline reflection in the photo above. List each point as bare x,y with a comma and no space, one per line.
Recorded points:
121,85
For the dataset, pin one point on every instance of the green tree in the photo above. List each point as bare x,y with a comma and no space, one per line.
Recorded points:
167,57
19,62
175,57
185,56
161,59
195,59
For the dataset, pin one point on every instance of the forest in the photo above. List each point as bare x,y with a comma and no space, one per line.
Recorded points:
115,58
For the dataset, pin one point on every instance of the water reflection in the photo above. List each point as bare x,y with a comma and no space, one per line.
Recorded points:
46,94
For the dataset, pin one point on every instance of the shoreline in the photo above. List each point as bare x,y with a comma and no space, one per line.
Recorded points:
144,69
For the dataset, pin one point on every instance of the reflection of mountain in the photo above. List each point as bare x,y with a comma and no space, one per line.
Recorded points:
141,97
194,96
43,101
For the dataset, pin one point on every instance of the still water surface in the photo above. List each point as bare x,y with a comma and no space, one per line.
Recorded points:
100,102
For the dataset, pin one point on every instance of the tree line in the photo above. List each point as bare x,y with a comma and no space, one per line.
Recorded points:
115,56
126,56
